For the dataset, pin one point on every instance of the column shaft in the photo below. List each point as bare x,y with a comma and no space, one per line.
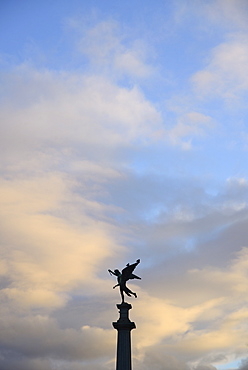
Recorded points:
124,327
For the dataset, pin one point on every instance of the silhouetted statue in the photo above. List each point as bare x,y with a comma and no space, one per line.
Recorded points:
123,277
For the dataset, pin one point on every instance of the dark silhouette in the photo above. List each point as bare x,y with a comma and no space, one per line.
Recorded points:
123,277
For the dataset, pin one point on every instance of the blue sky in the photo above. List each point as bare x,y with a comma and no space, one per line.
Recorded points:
123,136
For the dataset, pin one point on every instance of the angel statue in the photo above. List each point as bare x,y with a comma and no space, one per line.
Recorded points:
123,277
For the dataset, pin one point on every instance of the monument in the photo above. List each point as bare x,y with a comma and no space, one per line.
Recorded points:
124,325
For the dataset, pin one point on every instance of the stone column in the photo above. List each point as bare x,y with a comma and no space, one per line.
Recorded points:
124,327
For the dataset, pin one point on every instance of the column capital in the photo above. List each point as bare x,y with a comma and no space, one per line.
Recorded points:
124,323
124,306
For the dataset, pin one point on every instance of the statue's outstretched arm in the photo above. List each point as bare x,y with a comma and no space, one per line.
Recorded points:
111,272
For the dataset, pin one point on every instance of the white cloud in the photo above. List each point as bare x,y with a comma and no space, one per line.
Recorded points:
68,111
231,13
110,53
213,16
166,320
44,252
189,126
226,73
158,358
38,336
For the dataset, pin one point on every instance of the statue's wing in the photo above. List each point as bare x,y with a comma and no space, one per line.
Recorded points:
132,276
127,272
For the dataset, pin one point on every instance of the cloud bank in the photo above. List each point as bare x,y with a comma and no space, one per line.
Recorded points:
97,171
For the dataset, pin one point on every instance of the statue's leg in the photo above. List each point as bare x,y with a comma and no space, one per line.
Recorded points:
129,292
134,294
122,295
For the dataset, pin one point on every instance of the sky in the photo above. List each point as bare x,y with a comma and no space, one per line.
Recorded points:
124,135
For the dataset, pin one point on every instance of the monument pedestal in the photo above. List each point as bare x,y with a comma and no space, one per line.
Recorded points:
124,327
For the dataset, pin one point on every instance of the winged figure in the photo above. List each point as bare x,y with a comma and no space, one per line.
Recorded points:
123,277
